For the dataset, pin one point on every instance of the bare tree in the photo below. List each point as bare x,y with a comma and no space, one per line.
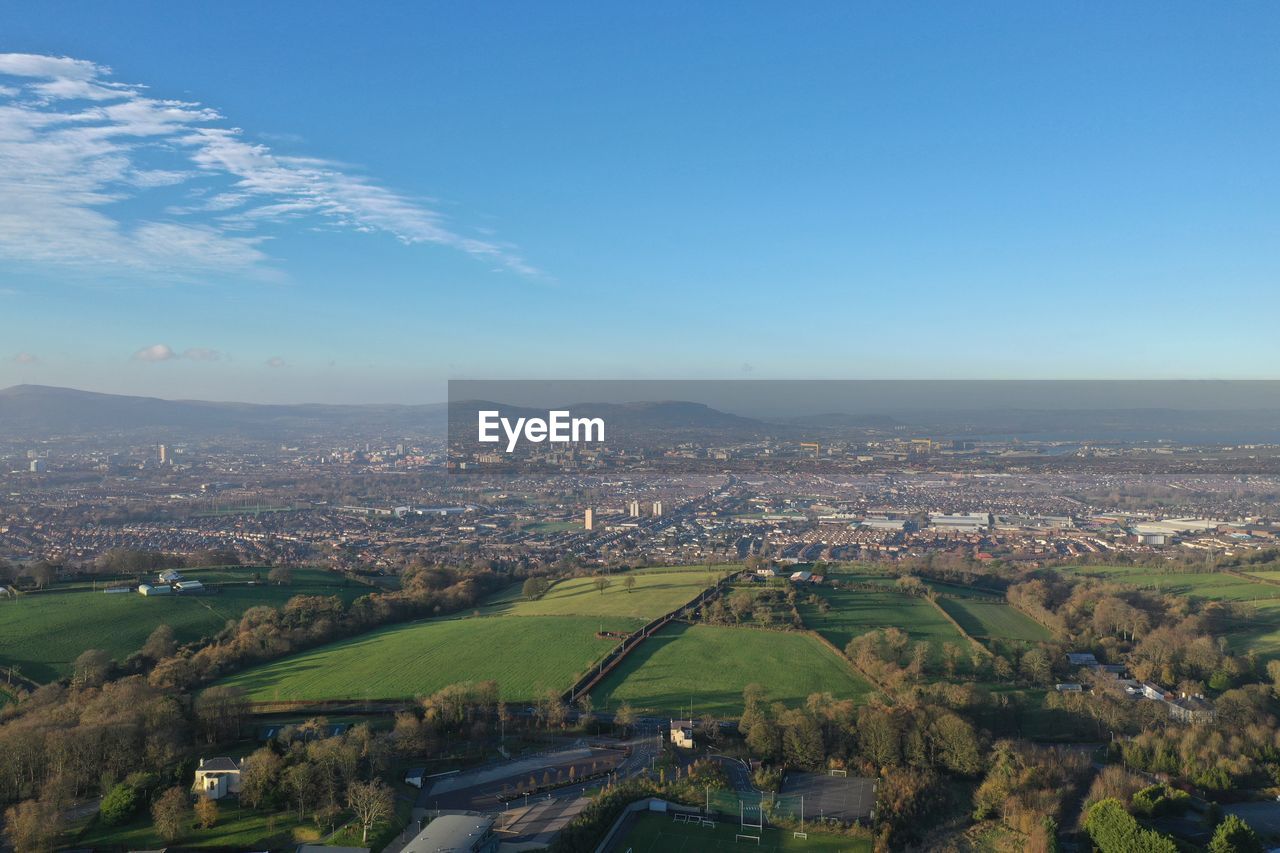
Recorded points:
170,814
372,803
161,644
91,668
625,717
602,583
206,812
33,825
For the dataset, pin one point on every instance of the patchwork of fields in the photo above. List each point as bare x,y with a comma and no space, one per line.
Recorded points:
528,647
711,664
43,633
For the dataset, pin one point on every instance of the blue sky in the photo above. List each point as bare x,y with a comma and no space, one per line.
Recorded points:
345,202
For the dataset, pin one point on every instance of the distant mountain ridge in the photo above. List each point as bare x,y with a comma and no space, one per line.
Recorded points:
33,410
37,411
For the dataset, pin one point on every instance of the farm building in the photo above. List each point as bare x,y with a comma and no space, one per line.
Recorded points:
170,576
189,586
217,777
154,589
682,733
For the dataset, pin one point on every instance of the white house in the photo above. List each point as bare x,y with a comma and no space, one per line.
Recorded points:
217,777
682,733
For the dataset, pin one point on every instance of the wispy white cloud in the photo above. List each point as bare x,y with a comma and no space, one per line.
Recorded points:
155,352
89,169
276,361
26,358
164,352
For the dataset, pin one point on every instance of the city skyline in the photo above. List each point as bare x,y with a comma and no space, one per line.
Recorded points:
347,208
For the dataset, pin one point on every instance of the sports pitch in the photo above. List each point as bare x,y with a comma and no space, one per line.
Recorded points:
660,833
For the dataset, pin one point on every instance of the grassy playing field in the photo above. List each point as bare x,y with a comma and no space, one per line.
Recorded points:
657,591
659,833
854,612
525,655
711,664
993,620
43,633
1207,585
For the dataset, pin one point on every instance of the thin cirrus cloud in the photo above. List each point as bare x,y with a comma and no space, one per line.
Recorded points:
164,352
26,358
75,144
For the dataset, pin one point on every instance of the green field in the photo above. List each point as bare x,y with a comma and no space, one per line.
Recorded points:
994,620
525,655
868,574
1259,631
657,591
237,828
551,526
1203,585
854,612
658,833
43,633
711,664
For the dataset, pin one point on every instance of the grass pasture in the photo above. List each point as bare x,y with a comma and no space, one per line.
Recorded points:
1200,585
855,612
660,833
237,828
657,591
525,655
1260,631
43,633
712,664
993,620
869,574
